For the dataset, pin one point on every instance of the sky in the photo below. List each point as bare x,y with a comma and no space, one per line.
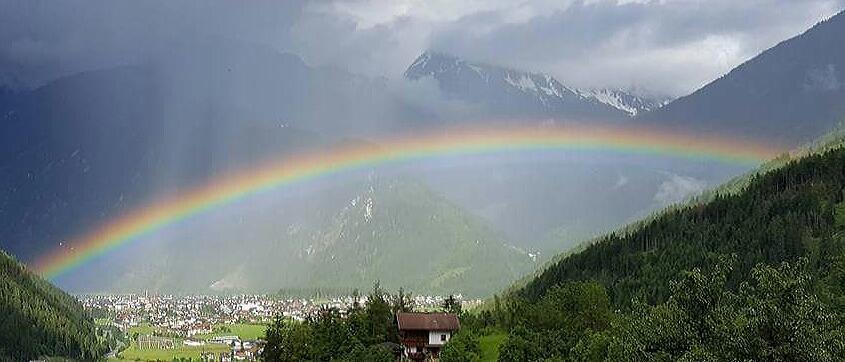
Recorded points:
669,47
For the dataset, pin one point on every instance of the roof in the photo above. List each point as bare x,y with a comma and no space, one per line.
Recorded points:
427,321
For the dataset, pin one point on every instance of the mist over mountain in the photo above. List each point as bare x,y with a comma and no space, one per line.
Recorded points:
86,148
537,202
504,92
93,145
791,93
401,233
83,149
535,180
96,144
393,230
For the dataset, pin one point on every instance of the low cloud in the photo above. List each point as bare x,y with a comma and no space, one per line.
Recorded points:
666,46
425,94
678,188
620,182
825,79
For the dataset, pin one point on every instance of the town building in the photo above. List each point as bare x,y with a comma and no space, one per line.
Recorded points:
423,335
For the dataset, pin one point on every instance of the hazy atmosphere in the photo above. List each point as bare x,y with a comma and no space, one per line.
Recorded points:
670,47
422,180
192,92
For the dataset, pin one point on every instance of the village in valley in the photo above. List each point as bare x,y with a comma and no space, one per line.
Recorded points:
225,328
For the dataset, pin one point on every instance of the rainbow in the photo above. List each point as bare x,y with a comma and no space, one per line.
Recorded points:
455,142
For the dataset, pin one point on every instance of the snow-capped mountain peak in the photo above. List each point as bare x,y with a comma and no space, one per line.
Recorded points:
624,100
515,91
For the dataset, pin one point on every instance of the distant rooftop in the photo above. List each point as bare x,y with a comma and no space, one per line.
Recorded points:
428,321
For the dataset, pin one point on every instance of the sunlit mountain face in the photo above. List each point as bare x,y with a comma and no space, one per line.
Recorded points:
181,163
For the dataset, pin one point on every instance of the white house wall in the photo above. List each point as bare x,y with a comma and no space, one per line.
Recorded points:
434,337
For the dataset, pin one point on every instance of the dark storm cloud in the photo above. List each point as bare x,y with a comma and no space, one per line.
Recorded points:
673,46
40,40
668,46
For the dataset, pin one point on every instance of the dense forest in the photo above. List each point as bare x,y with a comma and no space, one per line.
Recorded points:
38,320
366,332
757,274
751,274
793,211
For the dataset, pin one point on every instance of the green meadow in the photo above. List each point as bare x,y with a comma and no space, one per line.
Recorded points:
489,346
243,330
142,329
182,351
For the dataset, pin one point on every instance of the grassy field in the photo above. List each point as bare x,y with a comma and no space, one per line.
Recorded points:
245,331
142,329
489,345
182,351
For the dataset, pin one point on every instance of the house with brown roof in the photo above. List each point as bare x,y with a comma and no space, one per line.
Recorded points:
422,335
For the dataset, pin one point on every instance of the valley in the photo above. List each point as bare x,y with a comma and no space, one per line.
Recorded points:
422,181
154,327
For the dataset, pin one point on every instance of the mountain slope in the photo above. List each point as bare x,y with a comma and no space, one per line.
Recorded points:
624,101
40,320
93,145
61,173
392,230
401,233
790,212
503,92
791,93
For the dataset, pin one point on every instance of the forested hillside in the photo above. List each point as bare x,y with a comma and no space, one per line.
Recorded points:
393,229
37,319
755,272
793,211
395,222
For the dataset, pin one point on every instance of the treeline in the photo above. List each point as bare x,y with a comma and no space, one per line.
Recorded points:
775,315
755,275
38,320
366,332
793,211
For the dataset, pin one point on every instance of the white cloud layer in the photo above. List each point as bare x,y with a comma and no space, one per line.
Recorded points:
678,188
669,46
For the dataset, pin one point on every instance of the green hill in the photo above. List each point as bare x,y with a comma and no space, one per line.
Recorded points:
401,233
792,211
37,319
394,230
754,270
832,141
